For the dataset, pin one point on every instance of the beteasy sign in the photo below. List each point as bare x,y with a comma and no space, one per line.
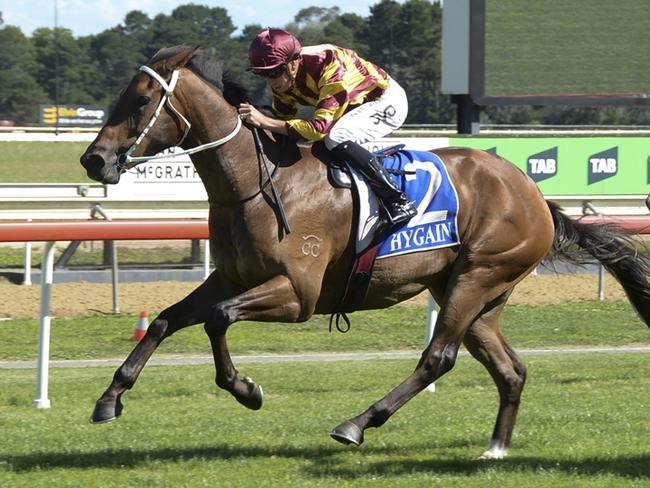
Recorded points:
72,115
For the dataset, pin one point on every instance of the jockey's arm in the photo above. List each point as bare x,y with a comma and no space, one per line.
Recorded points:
254,117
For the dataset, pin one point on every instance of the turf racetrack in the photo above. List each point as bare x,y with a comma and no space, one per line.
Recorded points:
583,422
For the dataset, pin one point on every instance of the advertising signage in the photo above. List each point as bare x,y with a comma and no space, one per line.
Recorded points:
565,166
72,115
173,178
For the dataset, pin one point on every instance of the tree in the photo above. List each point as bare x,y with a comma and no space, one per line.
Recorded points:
384,16
406,40
202,26
137,24
20,94
348,30
319,25
198,25
61,59
321,15
254,84
117,56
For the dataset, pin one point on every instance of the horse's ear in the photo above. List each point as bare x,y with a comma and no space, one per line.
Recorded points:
180,57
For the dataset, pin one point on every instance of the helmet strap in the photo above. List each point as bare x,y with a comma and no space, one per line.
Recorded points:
292,75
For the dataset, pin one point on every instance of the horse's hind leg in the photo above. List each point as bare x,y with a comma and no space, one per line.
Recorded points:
193,309
485,343
472,294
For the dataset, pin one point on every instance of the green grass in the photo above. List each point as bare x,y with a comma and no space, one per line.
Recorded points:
42,162
396,328
583,423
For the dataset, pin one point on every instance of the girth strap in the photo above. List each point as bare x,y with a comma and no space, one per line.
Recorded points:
357,286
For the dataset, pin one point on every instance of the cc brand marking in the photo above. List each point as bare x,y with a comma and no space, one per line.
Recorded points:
311,246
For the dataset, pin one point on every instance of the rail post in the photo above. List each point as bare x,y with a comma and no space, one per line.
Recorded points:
43,364
601,283
432,316
206,259
114,276
27,263
112,252
588,208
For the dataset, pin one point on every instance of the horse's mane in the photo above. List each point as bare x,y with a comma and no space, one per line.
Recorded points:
211,70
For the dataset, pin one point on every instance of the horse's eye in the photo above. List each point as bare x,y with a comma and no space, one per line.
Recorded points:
143,100
141,104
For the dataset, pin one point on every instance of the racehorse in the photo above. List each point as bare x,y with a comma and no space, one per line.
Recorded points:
506,227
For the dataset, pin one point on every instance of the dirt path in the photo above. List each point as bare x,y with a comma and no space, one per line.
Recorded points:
70,299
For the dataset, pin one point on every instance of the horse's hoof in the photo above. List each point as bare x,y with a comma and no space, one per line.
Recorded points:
255,398
493,454
105,412
347,433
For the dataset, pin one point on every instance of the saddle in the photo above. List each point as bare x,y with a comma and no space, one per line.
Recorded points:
339,172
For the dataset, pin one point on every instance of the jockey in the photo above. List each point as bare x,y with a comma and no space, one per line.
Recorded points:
355,102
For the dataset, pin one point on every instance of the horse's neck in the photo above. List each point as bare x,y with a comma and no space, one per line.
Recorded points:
232,173
229,172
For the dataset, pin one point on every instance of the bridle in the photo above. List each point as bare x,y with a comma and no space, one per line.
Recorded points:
125,161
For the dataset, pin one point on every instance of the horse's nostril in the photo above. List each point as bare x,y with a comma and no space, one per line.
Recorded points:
92,162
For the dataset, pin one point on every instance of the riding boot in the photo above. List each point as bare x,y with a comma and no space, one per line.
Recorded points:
398,207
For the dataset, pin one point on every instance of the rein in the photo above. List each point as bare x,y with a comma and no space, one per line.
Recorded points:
262,160
125,160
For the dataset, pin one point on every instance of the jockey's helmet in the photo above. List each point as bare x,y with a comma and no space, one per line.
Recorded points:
272,48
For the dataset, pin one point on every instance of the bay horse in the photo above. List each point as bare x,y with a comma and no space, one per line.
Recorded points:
506,227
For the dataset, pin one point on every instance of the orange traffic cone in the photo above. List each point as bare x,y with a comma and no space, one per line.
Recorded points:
141,327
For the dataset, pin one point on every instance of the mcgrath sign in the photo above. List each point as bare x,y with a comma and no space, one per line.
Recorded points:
172,179
72,115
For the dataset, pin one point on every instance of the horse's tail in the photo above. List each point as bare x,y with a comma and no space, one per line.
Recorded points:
580,243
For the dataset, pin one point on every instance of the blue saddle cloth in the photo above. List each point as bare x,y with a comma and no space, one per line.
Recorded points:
425,180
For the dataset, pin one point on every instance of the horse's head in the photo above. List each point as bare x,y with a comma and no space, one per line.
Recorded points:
142,122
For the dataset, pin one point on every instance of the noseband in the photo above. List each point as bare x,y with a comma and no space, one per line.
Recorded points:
126,161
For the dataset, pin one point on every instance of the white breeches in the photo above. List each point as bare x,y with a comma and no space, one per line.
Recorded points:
371,120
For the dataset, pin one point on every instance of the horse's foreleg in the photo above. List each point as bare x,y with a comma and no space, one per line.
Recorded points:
193,309
485,343
275,300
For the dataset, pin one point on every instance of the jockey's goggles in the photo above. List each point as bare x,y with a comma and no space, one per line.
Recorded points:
271,73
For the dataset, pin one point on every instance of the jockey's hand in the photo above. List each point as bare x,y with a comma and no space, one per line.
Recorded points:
251,115
255,118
